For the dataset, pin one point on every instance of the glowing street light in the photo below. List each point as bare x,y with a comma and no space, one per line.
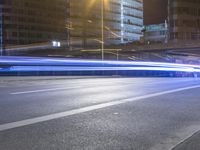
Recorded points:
102,29
103,2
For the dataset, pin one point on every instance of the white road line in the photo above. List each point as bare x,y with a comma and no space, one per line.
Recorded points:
26,122
43,90
56,89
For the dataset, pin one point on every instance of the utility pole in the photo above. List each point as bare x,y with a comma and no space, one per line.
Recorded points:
68,24
102,30
1,32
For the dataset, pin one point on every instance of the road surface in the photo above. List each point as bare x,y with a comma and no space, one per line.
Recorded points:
74,113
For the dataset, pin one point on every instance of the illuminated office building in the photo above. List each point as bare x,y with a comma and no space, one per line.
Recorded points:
184,20
32,21
79,22
123,21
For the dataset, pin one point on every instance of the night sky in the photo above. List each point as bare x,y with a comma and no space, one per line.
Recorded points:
155,11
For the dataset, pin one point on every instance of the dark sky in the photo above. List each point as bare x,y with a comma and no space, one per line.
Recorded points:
155,11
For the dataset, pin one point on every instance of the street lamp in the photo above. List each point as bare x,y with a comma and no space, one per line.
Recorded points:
1,34
102,24
102,29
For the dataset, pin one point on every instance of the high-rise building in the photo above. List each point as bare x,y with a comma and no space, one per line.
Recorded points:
123,21
77,21
184,20
32,21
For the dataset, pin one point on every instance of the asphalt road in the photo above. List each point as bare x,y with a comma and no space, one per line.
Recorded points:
47,113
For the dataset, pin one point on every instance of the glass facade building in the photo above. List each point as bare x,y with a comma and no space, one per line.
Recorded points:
33,21
123,21
184,20
79,22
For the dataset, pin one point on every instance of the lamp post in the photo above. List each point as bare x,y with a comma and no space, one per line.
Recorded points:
1,34
102,24
102,30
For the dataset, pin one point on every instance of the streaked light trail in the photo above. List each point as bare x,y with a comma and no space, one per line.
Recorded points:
10,64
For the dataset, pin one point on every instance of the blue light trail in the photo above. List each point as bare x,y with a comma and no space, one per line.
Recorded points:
12,64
